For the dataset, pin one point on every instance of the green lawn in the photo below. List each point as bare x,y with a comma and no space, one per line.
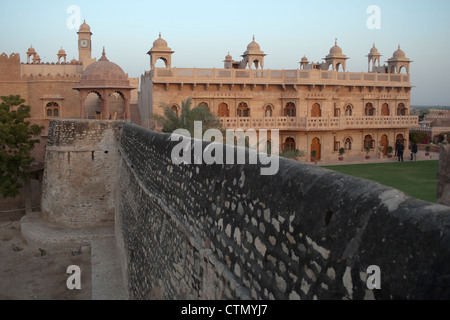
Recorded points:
417,179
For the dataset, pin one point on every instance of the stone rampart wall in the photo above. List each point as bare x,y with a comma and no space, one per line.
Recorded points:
227,232
79,182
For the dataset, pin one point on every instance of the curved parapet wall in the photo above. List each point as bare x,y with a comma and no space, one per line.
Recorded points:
226,232
80,172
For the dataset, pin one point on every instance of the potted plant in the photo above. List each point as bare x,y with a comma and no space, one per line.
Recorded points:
390,151
367,151
313,155
428,149
341,153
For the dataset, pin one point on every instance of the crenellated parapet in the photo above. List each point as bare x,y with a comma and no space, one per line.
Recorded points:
9,67
39,77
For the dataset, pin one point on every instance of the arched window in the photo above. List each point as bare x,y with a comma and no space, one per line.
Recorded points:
268,112
243,110
369,142
316,112
175,109
290,110
52,109
204,104
369,110
348,111
401,110
385,110
348,144
289,144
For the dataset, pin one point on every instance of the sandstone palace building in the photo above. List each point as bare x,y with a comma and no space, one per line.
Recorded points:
319,106
58,89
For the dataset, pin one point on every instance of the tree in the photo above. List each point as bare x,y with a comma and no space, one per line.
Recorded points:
171,121
17,139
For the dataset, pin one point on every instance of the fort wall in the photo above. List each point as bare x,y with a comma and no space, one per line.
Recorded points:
226,232
81,161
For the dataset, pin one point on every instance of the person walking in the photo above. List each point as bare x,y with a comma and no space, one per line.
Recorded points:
414,150
400,151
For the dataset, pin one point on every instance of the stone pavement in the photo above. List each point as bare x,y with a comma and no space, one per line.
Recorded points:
107,279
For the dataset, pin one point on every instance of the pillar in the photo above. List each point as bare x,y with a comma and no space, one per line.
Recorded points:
105,108
82,108
127,109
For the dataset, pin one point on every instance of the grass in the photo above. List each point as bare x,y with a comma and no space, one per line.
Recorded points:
417,179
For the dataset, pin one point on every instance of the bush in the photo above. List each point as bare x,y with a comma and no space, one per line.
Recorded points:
292,154
418,136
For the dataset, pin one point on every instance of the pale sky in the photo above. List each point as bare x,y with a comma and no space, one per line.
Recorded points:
202,32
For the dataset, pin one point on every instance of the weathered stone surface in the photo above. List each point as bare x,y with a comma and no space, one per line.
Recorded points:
443,192
329,229
80,172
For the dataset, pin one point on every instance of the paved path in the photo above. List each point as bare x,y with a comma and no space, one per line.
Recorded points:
106,273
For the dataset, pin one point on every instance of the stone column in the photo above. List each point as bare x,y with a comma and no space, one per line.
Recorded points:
127,109
82,108
105,107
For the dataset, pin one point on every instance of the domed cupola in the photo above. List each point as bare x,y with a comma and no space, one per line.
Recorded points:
336,58
160,50
398,62
254,55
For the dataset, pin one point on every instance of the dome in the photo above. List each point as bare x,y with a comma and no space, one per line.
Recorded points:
399,54
374,51
253,46
104,74
228,57
160,43
85,27
61,51
336,50
304,59
31,50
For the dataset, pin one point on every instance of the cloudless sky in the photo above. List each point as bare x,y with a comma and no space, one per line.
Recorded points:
202,32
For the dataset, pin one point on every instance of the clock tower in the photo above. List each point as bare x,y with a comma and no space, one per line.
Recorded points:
85,45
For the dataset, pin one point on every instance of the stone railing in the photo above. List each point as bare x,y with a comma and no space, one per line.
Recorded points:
180,75
320,123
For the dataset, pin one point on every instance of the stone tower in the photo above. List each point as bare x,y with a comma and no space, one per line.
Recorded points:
85,45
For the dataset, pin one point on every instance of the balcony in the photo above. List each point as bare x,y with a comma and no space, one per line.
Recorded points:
321,124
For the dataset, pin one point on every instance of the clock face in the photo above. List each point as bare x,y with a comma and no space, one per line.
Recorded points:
84,43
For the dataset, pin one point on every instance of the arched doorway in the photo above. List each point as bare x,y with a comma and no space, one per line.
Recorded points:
385,109
243,111
289,144
401,110
290,110
268,111
401,139
223,111
316,112
348,111
384,142
175,109
369,110
315,146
